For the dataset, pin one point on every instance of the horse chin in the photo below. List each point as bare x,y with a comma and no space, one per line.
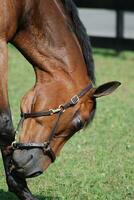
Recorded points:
29,174
34,174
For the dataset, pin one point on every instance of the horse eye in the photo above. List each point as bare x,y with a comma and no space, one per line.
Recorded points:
78,123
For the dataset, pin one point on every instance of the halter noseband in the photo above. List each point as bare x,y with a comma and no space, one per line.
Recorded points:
59,111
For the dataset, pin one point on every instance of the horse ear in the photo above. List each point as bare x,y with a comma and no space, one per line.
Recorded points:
106,89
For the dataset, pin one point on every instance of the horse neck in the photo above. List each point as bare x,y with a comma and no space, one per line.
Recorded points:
63,58
50,44
70,68
19,8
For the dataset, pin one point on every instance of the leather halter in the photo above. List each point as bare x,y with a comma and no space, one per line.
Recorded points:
59,111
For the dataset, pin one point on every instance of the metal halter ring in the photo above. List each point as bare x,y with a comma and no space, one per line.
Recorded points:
61,107
14,145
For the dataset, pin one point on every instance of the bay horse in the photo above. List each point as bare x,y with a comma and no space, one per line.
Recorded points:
51,36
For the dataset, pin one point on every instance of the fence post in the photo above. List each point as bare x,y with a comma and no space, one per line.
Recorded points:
119,24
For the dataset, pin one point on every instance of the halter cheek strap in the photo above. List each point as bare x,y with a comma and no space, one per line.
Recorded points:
59,111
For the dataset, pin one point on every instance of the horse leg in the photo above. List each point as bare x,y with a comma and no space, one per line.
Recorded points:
15,183
6,125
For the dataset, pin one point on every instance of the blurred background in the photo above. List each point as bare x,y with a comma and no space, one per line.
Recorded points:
110,23
103,22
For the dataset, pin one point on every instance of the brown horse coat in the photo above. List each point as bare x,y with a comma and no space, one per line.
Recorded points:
52,38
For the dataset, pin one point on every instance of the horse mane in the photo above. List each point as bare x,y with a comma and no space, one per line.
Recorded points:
82,36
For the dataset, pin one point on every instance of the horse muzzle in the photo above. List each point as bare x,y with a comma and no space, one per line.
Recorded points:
29,163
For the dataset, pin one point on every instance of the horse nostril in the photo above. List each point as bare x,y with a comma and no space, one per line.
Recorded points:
32,156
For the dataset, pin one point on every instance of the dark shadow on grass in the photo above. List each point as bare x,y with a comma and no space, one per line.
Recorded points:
10,196
7,195
40,197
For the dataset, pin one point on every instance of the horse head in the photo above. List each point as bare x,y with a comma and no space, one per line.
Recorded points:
50,123
63,99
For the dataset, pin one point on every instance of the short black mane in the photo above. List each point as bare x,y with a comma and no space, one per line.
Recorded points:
82,36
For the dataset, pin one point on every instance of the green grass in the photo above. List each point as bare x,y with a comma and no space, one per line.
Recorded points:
98,163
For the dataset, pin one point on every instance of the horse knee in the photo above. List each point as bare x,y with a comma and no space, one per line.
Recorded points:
6,128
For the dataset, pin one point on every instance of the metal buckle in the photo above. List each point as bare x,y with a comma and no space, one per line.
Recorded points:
14,146
57,110
53,111
46,147
75,99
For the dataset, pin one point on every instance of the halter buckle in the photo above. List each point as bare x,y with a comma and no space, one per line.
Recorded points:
53,111
57,110
75,99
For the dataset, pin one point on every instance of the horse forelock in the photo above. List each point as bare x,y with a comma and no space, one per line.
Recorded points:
82,36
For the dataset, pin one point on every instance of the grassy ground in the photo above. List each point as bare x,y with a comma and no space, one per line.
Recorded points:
98,163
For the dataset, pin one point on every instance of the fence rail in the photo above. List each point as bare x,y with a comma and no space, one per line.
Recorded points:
118,42
127,5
